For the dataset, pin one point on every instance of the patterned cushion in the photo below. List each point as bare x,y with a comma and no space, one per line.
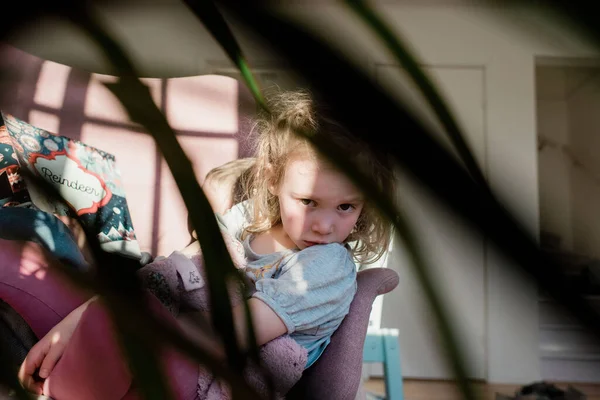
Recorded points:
86,178
12,186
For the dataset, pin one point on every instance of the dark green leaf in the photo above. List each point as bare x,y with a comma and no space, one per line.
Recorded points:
212,19
137,100
342,84
432,95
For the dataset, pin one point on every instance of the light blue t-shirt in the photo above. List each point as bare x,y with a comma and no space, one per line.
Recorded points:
310,289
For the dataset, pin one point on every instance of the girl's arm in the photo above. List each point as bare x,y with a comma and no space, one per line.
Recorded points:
267,326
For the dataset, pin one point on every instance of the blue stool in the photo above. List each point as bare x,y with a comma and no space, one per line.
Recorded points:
382,345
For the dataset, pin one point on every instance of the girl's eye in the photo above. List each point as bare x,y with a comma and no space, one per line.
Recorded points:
306,202
346,207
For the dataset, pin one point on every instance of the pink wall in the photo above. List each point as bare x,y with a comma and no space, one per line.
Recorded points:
209,113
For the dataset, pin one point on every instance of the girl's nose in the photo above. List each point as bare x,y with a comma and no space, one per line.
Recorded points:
323,225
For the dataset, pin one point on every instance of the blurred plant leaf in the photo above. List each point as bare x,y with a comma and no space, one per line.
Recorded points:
576,16
116,284
138,102
333,77
136,98
8,380
142,363
212,243
209,15
409,62
404,230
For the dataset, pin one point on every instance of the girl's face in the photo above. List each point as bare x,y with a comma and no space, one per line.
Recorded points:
318,204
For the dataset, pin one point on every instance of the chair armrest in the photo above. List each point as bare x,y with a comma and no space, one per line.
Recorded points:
94,367
337,374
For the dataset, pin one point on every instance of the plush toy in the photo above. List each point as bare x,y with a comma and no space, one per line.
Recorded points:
178,281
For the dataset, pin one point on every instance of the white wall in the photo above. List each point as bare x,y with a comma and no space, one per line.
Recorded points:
455,255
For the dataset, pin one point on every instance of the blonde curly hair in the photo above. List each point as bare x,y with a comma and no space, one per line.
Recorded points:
277,142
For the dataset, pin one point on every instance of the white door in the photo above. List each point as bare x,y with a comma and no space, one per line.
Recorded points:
454,254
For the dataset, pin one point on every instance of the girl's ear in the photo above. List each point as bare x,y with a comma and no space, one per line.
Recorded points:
270,177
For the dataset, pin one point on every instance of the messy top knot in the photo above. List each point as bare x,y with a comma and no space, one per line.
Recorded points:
293,110
277,141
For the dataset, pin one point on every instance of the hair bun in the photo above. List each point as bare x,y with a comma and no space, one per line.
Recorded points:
294,110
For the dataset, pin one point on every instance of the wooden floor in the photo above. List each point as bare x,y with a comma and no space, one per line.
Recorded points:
445,390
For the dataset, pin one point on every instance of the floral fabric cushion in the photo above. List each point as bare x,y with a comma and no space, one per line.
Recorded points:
87,179
13,191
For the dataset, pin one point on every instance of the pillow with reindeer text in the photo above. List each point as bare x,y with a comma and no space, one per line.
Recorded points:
87,179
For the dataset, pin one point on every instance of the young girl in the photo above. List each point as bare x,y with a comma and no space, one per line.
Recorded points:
302,228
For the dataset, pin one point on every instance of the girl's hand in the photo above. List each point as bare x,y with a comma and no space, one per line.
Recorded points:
44,355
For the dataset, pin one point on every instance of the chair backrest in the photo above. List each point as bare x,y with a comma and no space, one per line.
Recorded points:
338,372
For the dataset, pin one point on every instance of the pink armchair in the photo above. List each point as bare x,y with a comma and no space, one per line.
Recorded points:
29,285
